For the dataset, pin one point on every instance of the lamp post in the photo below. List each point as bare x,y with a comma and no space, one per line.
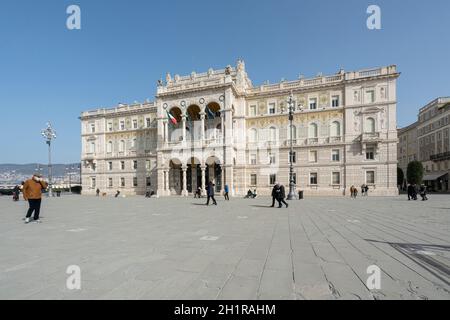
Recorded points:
291,195
49,134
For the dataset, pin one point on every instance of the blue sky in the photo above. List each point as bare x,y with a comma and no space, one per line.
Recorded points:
48,72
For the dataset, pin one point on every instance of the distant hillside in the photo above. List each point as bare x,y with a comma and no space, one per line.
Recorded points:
29,169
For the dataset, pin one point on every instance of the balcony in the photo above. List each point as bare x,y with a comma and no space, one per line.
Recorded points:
313,141
335,139
440,156
370,137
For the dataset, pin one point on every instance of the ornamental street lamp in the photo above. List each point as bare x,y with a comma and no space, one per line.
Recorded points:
49,134
291,195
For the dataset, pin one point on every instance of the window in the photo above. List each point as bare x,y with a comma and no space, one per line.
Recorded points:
313,130
294,177
122,125
148,181
272,179
293,157
92,147
370,125
253,179
335,129
122,146
133,143
110,126
292,129
148,122
109,147
370,177
253,135
370,153
110,166
148,165
313,178
252,111
253,158
336,178
92,127
313,156
135,164
272,108
272,134
122,182
370,96
313,104
272,158
135,182
135,124
93,182
110,182
335,101
122,165
335,156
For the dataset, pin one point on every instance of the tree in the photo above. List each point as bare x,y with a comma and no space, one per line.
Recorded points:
414,172
400,177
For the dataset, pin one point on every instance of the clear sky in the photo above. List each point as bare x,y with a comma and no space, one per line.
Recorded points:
48,72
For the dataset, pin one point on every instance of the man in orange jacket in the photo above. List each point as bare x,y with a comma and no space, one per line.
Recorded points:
32,192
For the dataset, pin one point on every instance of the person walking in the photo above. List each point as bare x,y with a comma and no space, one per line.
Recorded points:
281,195
274,194
226,190
210,193
410,190
98,192
32,192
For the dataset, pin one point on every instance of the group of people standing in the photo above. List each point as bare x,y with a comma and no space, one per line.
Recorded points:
354,191
413,190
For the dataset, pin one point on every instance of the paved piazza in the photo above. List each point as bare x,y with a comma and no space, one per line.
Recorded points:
176,248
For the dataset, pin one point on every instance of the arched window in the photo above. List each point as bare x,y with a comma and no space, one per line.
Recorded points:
335,129
272,134
109,147
370,125
313,131
253,135
122,146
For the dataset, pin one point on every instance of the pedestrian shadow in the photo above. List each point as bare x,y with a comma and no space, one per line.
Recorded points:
260,206
198,204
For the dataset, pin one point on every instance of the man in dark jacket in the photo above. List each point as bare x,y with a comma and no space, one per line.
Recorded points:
274,195
210,193
281,195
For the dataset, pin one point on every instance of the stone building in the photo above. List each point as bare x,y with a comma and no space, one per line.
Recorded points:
217,126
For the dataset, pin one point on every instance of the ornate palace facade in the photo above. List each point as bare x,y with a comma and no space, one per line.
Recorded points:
216,126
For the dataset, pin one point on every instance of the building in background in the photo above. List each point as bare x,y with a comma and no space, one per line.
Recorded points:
407,147
428,141
217,126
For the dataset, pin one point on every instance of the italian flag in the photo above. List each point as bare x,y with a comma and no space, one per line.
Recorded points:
172,118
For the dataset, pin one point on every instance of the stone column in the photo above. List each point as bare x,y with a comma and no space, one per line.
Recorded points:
184,129
166,131
203,168
202,132
166,181
221,128
184,192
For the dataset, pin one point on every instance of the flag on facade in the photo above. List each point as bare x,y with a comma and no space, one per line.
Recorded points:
211,114
172,118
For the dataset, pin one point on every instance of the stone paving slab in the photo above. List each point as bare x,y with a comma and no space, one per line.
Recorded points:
177,248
